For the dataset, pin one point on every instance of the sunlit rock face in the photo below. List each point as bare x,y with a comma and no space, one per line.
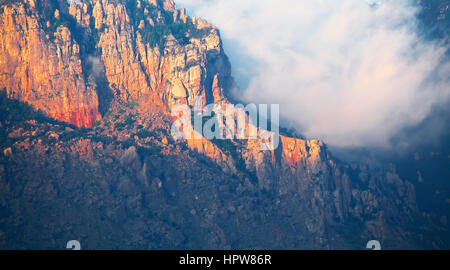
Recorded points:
43,66
176,68
44,71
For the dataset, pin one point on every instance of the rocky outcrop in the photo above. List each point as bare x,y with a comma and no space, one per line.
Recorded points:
174,73
42,70
177,68
45,69
123,69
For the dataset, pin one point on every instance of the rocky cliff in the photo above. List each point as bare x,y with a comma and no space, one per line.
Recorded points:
143,50
44,71
116,68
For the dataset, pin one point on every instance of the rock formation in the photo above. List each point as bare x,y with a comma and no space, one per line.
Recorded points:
138,59
42,70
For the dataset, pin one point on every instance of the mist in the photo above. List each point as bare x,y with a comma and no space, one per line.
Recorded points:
353,73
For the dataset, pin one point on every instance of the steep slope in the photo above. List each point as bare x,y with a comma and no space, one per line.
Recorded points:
138,188
44,71
133,61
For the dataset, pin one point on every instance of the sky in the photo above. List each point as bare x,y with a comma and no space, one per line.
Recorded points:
353,73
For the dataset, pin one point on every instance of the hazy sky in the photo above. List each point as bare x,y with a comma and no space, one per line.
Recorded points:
350,72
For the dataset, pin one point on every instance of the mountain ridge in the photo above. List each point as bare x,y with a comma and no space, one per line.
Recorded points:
111,80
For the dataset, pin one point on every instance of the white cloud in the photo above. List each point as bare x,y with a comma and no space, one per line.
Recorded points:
349,72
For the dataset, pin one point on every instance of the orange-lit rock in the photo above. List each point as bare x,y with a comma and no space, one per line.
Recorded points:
45,73
294,150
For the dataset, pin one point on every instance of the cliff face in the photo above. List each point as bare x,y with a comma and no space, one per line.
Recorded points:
134,60
46,73
138,55
152,50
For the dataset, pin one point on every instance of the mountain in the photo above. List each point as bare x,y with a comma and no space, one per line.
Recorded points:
87,152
